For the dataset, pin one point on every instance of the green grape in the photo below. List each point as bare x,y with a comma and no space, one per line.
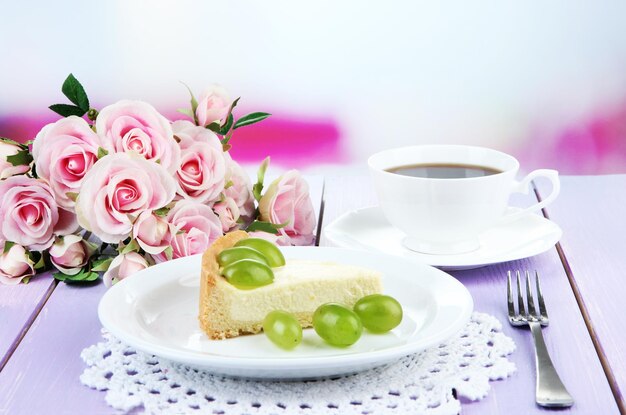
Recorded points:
230,255
274,257
379,313
336,324
248,273
283,329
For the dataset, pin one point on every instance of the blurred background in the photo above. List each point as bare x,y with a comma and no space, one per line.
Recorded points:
545,81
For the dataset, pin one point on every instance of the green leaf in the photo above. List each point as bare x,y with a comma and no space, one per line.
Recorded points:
39,260
251,119
227,125
22,157
66,110
101,264
59,276
228,122
82,276
15,143
185,111
214,126
226,139
132,246
26,280
268,227
162,211
75,92
260,175
194,103
7,246
92,276
169,252
102,152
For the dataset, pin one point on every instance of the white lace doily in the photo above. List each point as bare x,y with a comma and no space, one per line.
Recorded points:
419,384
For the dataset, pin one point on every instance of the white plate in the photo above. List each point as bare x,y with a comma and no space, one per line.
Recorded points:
156,311
368,229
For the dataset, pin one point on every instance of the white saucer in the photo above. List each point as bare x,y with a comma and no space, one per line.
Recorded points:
368,229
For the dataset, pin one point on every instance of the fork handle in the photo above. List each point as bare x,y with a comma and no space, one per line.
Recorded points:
550,390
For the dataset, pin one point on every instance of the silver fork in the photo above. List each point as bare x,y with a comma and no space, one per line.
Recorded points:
550,390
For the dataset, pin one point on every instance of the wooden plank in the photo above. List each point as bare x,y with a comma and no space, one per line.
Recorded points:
591,208
567,338
19,305
42,375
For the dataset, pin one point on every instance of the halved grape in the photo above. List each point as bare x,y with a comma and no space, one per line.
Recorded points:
230,255
248,273
379,313
336,324
274,257
283,329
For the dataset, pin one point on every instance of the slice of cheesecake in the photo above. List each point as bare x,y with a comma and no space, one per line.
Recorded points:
299,287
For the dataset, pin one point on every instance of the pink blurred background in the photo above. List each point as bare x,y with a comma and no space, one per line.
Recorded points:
543,81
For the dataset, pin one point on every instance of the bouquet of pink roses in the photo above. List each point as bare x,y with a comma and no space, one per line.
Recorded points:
127,178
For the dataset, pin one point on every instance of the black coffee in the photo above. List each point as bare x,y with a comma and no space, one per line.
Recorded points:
444,171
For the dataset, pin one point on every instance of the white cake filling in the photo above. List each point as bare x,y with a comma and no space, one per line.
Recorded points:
301,286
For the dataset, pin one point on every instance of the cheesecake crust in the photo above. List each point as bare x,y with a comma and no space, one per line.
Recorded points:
212,302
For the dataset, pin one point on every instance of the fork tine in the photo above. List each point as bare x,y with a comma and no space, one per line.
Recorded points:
509,295
529,297
542,306
520,297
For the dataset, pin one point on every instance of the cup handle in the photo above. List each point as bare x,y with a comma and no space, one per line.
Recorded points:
523,186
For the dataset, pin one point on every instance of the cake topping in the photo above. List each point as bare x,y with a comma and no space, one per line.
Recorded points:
274,257
249,263
230,255
246,274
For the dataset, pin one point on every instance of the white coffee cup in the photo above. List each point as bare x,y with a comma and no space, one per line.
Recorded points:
446,216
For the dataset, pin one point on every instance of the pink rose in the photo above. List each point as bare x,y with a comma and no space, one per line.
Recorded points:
197,227
7,169
228,213
117,189
137,126
213,105
200,176
152,232
30,214
15,265
63,152
240,190
70,254
188,133
123,266
287,201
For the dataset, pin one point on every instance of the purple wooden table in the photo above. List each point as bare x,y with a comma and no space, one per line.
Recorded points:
44,325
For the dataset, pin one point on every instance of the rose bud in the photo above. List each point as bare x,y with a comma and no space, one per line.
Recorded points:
15,265
123,266
287,202
213,105
7,169
152,232
69,254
